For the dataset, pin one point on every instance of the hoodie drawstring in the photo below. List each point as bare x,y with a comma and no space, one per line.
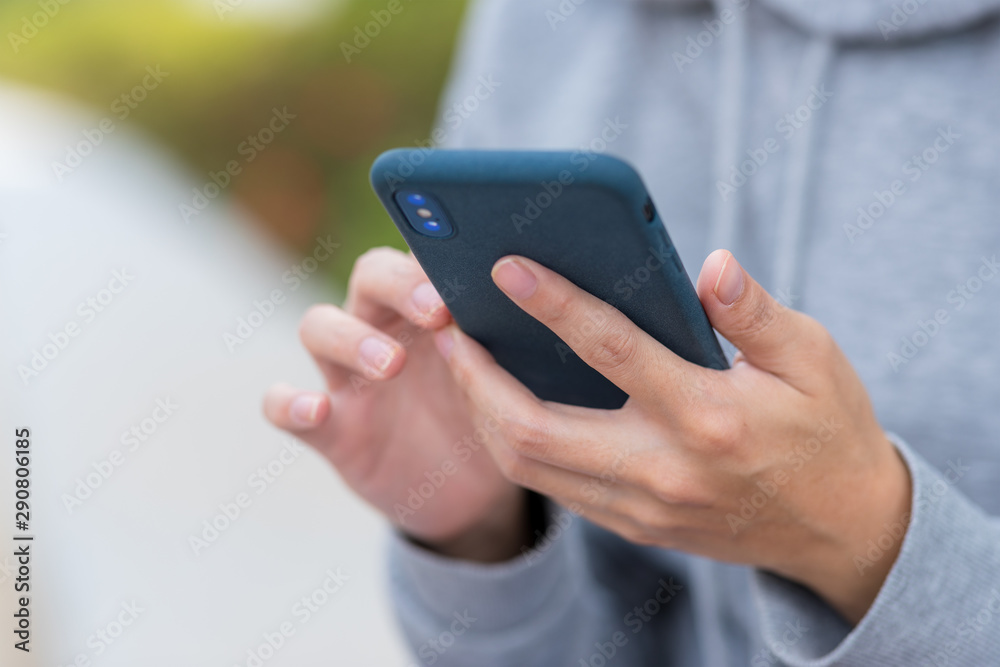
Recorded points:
729,151
729,130
789,240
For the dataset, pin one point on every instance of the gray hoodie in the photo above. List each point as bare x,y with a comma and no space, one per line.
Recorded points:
848,152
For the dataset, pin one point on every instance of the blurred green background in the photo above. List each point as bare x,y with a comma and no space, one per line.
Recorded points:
230,63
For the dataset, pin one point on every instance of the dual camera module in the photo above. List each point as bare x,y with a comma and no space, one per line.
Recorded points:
425,214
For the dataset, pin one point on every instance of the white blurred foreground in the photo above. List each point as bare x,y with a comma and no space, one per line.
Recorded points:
145,425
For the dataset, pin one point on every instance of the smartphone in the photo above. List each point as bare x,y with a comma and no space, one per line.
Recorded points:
587,217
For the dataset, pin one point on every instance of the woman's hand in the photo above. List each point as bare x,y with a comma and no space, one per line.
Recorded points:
394,423
778,463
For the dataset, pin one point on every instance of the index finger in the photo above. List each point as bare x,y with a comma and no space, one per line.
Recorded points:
386,284
598,332
581,440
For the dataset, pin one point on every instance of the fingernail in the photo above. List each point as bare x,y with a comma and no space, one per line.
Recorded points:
376,354
444,342
304,409
427,300
729,286
514,278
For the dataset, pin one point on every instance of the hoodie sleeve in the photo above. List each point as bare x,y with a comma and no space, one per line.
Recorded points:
527,611
581,596
940,604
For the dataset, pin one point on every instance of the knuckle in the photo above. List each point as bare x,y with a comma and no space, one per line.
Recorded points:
596,495
270,406
663,483
720,431
558,308
367,267
461,372
669,539
655,519
638,535
363,266
370,259
818,343
527,433
312,320
615,346
760,318
679,493
516,468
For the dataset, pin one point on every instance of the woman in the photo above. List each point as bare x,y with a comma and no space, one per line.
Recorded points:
844,154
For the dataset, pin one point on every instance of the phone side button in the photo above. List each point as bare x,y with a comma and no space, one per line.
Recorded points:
676,260
668,247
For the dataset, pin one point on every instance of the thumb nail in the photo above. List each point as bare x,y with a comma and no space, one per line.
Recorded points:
729,286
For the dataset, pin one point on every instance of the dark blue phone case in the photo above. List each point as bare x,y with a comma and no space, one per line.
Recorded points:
587,217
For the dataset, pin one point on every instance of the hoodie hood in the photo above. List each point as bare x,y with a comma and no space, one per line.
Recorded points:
887,20
868,20
828,24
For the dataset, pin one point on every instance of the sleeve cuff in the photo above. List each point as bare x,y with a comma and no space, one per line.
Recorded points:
501,595
947,572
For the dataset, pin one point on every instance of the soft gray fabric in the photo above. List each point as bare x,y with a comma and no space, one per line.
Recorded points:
898,83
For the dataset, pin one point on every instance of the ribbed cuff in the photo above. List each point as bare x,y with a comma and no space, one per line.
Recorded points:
502,594
947,572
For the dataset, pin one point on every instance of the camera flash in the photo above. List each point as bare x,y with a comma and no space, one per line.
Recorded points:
424,212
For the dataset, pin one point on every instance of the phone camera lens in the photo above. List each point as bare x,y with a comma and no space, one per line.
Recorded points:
425,214
649,211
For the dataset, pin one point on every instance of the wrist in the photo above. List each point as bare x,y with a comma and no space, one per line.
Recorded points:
850,573
497,537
